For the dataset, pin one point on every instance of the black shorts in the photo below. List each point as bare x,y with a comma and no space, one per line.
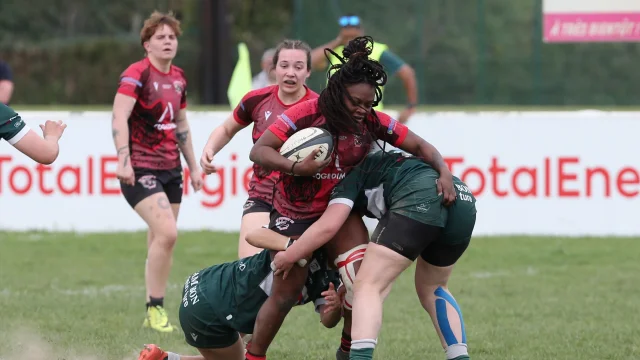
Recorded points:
255,205
411,238
289,227
149,182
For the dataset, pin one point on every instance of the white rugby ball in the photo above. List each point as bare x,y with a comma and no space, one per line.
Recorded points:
303,142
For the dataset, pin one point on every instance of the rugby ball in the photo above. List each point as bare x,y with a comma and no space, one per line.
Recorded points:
303,142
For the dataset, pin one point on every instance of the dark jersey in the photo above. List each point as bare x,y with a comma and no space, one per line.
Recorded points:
392,180
261,107
12,127
237,290
304,197
152,127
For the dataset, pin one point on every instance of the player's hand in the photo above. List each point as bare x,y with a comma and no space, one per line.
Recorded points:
53,129
405,114
309,166
125,173
333,298
445,187
282,264
196,180
205,162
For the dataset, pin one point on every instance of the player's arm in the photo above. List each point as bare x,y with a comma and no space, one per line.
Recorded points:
331,308
185,143
318,58
43,150
264,152
421,148
313,238
122,108
221,136
264,238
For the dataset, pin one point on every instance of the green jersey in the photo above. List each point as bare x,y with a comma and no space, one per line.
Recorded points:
236,290
394,181
12,127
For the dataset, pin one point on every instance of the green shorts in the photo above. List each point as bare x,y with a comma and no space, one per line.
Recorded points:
417,224
203,327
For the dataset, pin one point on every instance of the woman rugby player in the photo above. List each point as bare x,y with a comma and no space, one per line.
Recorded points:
412,225
261,107
345,109
150,129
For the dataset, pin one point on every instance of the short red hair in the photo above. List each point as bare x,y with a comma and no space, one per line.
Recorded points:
156,20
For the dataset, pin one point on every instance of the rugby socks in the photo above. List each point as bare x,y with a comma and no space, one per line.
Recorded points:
463,357
172,356
250,356
345,342
155,302
362,349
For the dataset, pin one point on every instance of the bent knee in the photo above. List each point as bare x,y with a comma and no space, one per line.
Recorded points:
165,237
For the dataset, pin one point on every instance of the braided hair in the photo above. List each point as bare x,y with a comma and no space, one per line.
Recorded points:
354,67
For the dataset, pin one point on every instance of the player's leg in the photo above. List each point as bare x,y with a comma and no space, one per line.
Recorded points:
156,211
397,241
346,251
147,197
433,270
284,295
255,215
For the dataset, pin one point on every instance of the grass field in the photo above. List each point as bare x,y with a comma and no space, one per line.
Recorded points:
73,296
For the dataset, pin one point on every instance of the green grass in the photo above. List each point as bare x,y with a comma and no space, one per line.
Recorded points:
65,296
422,108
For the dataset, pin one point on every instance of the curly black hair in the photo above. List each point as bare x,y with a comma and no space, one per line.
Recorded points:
354,67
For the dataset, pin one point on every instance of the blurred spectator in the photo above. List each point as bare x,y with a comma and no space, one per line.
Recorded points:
266,77
351,28
6,83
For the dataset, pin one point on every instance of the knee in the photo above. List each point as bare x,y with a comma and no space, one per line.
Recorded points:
166,237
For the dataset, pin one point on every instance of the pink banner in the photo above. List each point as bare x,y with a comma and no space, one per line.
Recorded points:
602,27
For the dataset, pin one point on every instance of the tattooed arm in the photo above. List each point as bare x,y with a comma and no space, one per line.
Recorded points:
122,107
183,134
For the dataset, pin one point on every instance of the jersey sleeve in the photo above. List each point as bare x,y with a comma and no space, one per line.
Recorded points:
391,131
391,62
130,83
183,99
12,127
348,189
297,117
243,113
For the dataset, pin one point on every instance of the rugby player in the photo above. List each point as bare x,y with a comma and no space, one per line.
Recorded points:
345,109
401,192
261,107
14,130
222,300
150,130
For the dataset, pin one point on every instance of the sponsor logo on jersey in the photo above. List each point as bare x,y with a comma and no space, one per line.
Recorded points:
331,176
267,114
179,86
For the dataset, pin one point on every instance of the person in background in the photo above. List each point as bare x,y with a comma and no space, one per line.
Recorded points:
351,28
267,76
150,131
6,83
